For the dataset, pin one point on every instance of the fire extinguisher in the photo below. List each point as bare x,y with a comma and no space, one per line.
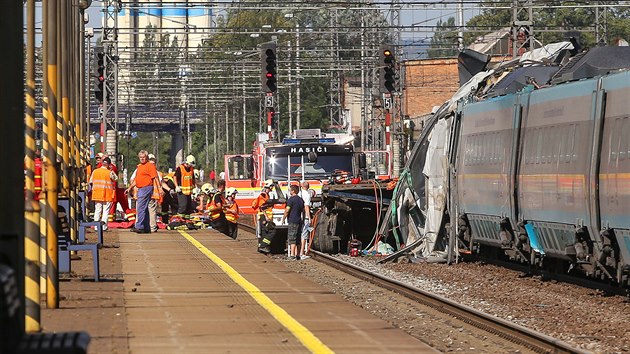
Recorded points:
354,247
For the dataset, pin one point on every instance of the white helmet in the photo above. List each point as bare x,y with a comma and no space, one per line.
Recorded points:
190,159
268,183
196,173
231,191
195,192
208,189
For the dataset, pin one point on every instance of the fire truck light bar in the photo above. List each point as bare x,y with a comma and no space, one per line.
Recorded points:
304,141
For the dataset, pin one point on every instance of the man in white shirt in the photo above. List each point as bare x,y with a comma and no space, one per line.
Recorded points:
305,194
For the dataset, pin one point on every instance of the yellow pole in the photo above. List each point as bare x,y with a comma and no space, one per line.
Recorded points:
31,206
52,178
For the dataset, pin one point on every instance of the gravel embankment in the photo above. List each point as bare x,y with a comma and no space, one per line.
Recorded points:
579,316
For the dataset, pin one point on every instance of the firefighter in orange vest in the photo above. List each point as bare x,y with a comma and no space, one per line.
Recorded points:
215,209
103,181
265,228
184,184
231,212
264,210
169,203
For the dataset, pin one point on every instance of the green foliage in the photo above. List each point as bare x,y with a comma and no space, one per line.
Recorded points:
228,61
444,43
550,24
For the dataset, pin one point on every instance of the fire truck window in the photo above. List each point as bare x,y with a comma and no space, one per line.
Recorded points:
237,168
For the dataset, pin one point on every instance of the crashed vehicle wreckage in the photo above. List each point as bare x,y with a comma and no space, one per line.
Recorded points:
528,161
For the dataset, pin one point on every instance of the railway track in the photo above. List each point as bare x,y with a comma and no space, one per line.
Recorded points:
520,335
528,338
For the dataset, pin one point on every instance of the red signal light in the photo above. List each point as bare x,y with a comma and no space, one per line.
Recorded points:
269,75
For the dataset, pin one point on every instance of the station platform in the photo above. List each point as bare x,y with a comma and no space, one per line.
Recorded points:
202,292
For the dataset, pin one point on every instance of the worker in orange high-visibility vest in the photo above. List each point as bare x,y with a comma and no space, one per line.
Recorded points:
184,184
264,211
156,197
231,211
103,182
215,209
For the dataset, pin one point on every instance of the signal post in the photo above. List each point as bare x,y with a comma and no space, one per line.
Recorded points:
387,86
269,86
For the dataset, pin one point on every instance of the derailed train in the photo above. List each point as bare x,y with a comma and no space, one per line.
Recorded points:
536,168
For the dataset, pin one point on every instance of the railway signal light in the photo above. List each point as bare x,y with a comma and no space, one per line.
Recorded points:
99,73
268,60
387,77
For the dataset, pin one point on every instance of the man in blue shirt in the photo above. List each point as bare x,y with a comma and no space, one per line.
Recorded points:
294,215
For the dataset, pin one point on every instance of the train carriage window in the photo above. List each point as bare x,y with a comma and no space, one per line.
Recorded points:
549,144
568,144
486,149
545,145
562,143
624,144
615,141
570,155
556,145
483,156
475,147
538,143
467,151
527,148
471,150
496,147
500,147
480,148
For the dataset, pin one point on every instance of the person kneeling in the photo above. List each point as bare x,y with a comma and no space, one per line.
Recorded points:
231,212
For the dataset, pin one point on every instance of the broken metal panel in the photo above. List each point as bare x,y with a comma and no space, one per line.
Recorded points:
436,170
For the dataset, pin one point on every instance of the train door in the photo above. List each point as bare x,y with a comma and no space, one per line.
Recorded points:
239,174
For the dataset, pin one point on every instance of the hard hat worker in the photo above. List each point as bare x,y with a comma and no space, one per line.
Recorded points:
103,181
264,215
207,191
231,212
184,184
169,203
216,209
146,181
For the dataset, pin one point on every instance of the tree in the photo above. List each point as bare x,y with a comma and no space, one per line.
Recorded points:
553,24
445,41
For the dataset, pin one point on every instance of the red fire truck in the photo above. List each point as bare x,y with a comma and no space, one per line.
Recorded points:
308,155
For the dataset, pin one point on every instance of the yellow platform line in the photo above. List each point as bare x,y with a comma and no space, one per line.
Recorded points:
310,341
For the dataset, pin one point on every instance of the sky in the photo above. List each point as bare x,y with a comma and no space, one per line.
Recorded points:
419,15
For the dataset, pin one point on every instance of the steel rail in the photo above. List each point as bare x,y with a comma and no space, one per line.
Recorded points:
248,227
515,333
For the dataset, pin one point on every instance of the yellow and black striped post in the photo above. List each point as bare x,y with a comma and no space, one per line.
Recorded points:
31,206
66,130
42,199
12,162
52,178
